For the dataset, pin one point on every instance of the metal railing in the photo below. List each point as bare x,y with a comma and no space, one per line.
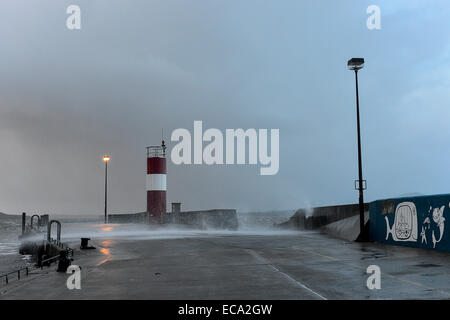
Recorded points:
6,275
49,261
156,151
58,243
45,262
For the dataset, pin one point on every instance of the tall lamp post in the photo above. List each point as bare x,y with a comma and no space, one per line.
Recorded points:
106,159
356,64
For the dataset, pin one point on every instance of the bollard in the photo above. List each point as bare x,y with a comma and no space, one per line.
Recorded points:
63,262
84,244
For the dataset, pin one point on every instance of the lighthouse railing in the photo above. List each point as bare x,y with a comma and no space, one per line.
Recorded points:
156,151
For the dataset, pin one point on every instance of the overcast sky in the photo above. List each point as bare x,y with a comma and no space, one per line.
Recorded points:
135,67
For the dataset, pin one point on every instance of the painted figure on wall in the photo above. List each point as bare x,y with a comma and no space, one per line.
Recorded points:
405,226
433,226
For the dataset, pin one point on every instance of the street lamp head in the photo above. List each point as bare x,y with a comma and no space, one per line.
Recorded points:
106,158
355,64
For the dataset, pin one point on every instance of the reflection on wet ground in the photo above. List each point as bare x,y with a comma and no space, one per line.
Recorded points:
105,251
106,243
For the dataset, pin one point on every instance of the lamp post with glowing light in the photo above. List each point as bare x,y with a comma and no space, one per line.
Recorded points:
356,64
106,159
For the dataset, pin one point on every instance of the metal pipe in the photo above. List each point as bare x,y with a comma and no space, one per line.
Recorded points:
49,230
24,221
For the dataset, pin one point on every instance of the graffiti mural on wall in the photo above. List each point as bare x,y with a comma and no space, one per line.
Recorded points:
433,226
405,223
416,221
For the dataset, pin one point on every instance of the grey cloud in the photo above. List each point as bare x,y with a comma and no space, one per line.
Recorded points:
137,67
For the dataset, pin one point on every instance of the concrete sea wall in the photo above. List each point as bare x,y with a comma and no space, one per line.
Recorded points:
207,219
314,218
202,219
139,217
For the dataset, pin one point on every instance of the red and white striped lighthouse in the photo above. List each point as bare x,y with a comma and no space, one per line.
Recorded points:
156,183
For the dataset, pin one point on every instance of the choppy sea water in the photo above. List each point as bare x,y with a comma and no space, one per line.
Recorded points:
10,259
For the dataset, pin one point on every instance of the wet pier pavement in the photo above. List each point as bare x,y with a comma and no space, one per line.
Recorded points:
291,265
